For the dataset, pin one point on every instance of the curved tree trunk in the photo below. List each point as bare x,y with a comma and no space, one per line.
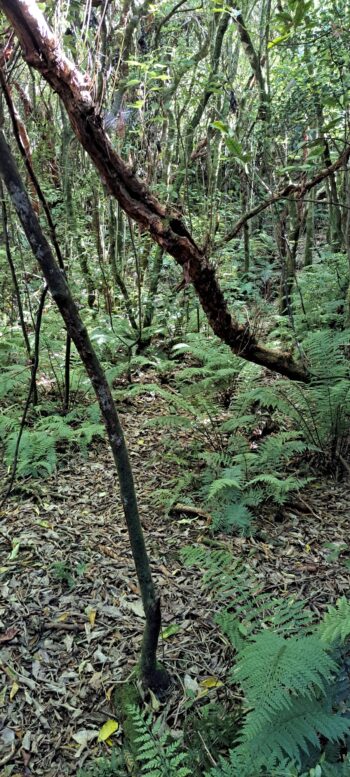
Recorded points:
42,51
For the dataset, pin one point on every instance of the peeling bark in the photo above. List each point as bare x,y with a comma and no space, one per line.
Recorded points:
42,51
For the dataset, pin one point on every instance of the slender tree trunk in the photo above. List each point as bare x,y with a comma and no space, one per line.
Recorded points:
13,273
42,51
151,674
114,253
155,270
309,232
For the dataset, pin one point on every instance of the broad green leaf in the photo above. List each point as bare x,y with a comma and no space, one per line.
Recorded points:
220,125
106,731
277,40
169,631
211,682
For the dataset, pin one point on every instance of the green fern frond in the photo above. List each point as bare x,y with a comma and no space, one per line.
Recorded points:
284,681
217,460
36,455
335,626
279,487
272,668
170,422
222,484
87,431
8,424
241,764
290,616
292,730
235,515
249,610
221,573
155,752
13,380
276,449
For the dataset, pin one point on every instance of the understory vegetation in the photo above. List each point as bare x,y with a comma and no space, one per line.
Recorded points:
208,284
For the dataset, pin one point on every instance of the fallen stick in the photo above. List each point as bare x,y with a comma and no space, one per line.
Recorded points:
191,510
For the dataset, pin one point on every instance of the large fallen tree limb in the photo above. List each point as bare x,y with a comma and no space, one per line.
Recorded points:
42,51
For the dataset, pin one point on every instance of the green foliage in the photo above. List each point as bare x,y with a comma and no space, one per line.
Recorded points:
37,455
106,767
252,478
239,475
214,725
13,380
335,626
65,573
249,436
240,764
156,754
318,303
289,673
318,412
285,683
244,608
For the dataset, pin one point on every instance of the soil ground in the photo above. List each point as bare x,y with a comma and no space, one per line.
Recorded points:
70,616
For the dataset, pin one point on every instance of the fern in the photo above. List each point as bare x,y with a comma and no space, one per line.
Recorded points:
248,613
235,516
247,474
335,626
291,683
103,767
37,454
272,668
153,750
13,380
285,682
240,764
244,608
220,484
293,730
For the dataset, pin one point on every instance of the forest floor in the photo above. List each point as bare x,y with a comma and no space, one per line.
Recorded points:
70,613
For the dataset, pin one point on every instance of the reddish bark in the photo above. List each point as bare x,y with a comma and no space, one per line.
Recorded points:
42,51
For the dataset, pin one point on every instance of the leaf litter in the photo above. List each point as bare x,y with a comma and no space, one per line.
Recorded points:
71,618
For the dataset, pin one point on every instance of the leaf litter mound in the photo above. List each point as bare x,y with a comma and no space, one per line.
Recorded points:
71,618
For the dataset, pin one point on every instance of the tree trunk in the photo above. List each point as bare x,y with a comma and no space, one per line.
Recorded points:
42,51
151,674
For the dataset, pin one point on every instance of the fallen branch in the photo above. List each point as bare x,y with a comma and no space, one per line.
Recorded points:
191,510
